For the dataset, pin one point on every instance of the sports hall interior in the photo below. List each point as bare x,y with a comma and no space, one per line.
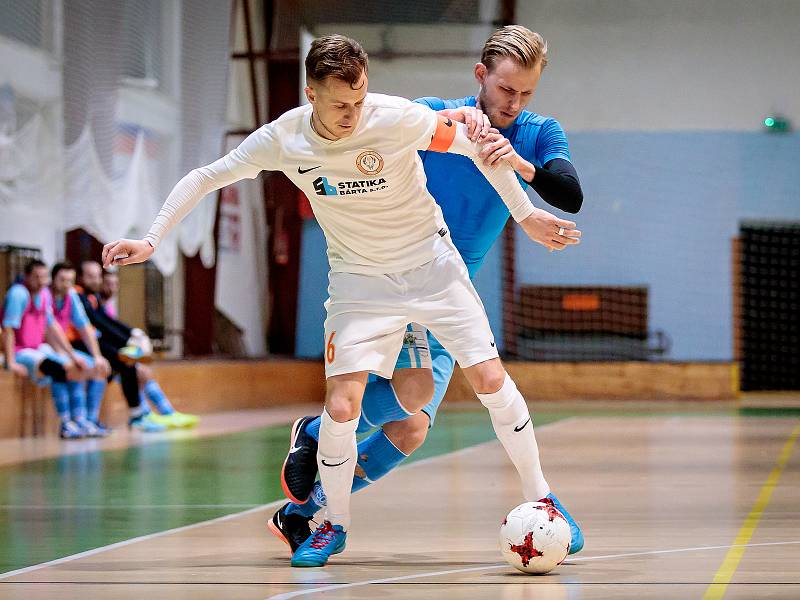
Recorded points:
659,357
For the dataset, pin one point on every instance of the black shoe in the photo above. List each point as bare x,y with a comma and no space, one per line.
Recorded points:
293,530
300,467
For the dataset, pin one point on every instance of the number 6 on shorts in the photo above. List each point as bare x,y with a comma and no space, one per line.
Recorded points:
330,349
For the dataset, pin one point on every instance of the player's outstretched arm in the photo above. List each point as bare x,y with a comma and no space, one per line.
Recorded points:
257,153
186,194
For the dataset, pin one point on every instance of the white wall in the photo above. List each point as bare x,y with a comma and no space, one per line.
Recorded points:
34,75
621,64
678,64
414,77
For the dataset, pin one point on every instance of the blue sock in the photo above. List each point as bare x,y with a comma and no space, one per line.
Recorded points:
77,400
156,395
380,405
60,393
377,455
96,389
316,500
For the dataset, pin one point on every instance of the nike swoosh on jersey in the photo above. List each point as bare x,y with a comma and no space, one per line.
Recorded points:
294,449
518,429
304,171
336,465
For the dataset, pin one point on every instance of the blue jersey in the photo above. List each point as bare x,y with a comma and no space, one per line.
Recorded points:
16,303
473,211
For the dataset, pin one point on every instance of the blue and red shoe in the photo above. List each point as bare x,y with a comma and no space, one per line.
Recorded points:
576,542
326,541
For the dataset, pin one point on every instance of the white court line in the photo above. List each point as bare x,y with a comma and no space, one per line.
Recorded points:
141,538
157,534
122,506
340,586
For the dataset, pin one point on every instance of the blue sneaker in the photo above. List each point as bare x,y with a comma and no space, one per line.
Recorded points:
70,430
91,429
317,549
102,430
576,543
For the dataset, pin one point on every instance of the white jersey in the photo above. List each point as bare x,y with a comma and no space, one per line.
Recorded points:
368,191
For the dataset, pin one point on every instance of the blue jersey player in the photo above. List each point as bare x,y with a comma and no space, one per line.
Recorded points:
536,147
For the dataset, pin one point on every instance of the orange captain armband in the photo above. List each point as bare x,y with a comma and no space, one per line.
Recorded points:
444,135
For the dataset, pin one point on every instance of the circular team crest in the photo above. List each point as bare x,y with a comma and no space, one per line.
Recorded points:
369,162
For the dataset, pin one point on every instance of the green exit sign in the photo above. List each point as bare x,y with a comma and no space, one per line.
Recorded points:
777,124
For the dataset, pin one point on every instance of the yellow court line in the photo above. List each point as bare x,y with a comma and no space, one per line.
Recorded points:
716,590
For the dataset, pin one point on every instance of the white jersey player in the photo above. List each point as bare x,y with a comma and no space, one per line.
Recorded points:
354,155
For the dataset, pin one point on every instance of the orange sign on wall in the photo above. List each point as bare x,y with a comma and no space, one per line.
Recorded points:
583,302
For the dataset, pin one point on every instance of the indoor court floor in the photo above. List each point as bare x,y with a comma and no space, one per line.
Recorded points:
679,501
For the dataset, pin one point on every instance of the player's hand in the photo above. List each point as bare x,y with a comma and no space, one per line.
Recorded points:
496,147
126,252
102,368
550,231
18,369
73,371
477,122
80,362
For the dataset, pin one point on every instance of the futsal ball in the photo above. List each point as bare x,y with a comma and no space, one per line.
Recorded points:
535,537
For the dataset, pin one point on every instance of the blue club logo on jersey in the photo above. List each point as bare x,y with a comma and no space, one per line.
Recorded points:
324,188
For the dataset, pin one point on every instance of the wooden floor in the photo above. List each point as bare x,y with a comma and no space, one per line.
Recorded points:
662,500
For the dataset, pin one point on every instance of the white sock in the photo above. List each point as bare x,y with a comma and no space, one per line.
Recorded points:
514,428
337,447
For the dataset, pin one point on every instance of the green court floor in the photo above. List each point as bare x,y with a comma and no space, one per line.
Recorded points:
58,507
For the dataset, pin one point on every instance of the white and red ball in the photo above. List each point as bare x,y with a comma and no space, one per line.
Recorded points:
535,537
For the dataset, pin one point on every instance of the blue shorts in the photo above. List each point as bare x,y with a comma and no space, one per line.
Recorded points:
423,351
31,358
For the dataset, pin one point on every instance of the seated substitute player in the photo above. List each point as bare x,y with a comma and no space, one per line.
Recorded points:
27,320
85,398
149,389
508,74
391,258
114,336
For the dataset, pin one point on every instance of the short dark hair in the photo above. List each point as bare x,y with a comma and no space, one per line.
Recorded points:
336,56
61,266
83,266
33,264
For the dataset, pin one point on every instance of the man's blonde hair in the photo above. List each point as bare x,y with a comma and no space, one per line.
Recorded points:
525,47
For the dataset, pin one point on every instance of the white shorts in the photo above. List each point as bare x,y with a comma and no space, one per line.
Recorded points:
368,315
